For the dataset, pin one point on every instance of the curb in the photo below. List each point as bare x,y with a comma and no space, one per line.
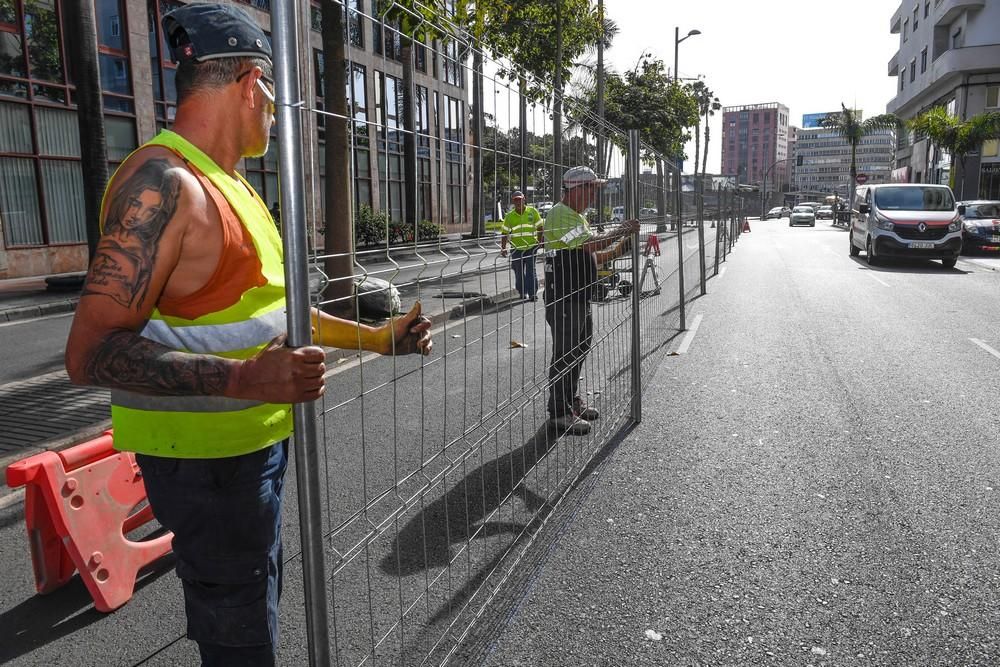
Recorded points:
38,310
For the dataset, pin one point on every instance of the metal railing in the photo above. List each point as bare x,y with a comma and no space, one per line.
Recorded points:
422,483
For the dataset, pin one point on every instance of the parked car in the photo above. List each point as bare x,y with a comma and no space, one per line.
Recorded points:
618,214
777,212
980,225
906,220
543,207
645,213
824,213
802,215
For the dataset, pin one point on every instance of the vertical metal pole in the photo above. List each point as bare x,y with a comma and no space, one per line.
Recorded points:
633,214
700,184
679,199
293,218
718,225
601,140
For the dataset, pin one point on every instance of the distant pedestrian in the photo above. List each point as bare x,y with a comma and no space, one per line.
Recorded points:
521,226
573,255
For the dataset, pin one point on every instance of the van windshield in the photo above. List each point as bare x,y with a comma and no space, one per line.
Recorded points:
914,199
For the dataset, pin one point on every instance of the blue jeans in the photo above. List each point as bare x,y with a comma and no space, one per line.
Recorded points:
525,278
226,518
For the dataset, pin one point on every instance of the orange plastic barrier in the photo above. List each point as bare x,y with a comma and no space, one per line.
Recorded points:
652,245
746,225
79,505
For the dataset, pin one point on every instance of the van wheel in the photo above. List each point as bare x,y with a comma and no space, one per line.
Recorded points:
855,250
949,263
869,254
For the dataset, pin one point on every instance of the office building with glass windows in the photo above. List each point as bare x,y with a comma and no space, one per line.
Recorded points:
42,227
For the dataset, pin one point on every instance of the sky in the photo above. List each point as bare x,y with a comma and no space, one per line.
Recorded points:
806,54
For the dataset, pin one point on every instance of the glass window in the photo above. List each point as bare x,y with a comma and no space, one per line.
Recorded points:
120,134
957,40
11,55
355,23
62,183
22,224
993,97
923,60
110,24
906,29
41,30
58,132
114,74
15,128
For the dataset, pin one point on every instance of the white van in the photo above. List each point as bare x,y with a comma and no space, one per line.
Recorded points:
617,214
917,220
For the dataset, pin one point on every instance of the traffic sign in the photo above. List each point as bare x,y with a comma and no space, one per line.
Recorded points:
861,179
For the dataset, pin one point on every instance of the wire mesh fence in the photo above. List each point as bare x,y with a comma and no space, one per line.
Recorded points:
437,474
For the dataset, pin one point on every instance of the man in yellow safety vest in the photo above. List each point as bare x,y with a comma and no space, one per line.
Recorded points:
183,317
522,226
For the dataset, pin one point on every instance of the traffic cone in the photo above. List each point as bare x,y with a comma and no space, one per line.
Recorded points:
79,507
746,225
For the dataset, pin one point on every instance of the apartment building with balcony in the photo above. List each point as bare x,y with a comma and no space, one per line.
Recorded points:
949,55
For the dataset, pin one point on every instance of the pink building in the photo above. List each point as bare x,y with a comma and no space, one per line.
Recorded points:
755,144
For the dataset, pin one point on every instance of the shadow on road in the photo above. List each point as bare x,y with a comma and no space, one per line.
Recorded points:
887,265
43,619
426,541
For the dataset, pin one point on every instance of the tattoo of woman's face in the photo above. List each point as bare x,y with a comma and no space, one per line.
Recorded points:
137,216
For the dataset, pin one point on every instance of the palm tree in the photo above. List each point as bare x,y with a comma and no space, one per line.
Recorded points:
956,136
849,125
82,52
708,111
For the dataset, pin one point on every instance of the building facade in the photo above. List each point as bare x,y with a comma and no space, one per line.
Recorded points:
793,138
823,157
949,55
41,203
755,144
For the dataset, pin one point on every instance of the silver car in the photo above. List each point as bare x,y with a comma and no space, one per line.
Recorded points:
802,215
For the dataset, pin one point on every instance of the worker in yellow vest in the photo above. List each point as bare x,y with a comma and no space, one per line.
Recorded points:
183,317
522,227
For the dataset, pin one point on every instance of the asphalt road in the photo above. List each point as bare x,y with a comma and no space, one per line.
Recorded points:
33,347
433,473
815,481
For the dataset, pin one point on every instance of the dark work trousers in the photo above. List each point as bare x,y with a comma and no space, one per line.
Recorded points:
522,262
226,518
572,328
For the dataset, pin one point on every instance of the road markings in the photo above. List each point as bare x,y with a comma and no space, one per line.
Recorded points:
877,279
986,347
689,336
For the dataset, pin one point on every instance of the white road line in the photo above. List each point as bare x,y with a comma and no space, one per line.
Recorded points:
12,498
34,319
689,336
986,347
877,279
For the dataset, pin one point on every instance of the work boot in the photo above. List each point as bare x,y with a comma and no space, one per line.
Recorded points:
581,410
570,424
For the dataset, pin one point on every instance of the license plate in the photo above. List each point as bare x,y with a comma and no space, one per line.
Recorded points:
921,244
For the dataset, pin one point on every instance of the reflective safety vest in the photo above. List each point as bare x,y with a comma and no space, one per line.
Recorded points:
235,315
522,227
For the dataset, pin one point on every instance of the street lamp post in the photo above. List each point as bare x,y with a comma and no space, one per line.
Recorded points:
763,187
678,200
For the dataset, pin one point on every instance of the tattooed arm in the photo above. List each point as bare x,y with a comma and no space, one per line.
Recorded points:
157,226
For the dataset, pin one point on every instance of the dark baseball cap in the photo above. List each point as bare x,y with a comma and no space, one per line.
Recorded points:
204,31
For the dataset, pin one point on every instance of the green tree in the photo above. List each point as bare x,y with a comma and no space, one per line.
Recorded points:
849,125
958,137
